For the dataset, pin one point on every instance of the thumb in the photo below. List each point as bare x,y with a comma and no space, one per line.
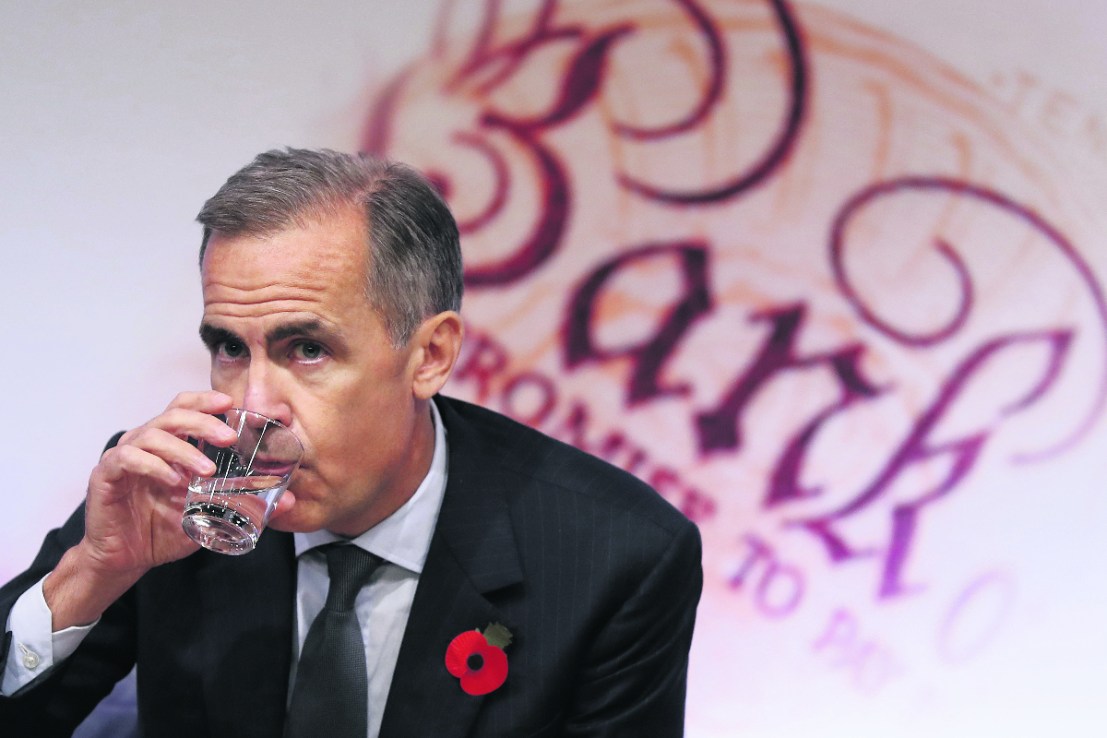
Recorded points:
285,503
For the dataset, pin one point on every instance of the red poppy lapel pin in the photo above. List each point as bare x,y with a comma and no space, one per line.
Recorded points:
478,659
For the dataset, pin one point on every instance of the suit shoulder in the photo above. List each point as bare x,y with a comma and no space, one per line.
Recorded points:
552,468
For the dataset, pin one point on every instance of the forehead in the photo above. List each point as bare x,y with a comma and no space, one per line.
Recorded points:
319,266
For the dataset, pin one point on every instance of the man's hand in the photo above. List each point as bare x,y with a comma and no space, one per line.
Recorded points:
133,508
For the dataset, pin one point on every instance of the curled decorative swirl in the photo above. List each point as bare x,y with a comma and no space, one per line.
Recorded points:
777,152
579,86
945,185
711,94
377,136
510,56
498,165
491,62
544,237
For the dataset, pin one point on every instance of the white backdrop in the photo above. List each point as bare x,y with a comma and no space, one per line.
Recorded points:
119,119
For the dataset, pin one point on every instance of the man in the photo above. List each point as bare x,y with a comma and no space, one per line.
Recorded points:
331,288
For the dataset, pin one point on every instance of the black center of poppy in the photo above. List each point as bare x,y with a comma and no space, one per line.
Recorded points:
475,662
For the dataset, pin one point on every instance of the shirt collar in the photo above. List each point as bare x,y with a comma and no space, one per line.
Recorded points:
403,538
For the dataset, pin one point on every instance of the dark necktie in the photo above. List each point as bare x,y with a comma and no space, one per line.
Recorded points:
330,696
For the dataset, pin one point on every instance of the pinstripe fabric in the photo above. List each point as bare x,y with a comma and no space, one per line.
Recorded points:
594,574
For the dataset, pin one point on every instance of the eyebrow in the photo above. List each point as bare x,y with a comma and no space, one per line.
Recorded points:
305,328
212,335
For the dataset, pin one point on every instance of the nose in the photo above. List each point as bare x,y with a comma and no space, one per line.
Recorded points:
264,393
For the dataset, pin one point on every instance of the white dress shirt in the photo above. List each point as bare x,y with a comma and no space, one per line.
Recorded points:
402,540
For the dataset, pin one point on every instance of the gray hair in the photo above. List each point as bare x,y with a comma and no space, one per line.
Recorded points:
414,257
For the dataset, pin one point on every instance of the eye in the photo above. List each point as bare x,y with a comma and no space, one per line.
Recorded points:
308,351
230,349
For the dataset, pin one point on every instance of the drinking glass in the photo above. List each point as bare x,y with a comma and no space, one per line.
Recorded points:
227,511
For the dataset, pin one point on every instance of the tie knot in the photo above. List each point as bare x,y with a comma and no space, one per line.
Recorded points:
349,569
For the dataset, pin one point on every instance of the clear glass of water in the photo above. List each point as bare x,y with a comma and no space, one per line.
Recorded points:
227,511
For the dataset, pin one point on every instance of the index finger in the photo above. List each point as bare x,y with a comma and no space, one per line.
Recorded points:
211,402
190,415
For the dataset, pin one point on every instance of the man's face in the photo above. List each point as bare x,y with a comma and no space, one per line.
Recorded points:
292,335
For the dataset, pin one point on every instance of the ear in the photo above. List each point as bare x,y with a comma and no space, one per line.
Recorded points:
436,345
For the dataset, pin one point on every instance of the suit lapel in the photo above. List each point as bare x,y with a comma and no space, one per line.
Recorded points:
472,555
247,622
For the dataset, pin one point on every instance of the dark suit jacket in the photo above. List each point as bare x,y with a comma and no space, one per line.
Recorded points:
595,575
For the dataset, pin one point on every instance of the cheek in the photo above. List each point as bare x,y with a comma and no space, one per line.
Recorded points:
354,419
342,429
230,379
360,438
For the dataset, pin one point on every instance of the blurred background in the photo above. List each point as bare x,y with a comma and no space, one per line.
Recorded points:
829,275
